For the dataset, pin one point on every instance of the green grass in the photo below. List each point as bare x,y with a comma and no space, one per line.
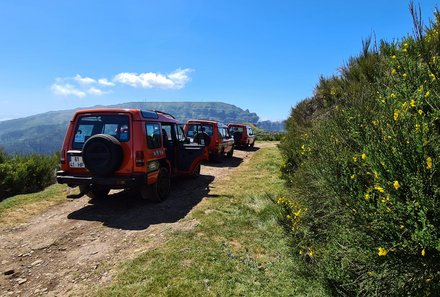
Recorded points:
237,247
17,208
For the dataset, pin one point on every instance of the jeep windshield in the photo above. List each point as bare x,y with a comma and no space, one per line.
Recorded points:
89,125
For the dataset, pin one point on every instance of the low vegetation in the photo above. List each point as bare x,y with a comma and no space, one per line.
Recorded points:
233,246
25,174
362,161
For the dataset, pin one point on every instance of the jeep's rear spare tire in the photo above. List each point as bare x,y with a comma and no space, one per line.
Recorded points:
102,154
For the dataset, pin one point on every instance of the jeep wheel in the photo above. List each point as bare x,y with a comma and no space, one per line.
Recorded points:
160,190
202,138
196,172
97,192
237,138
230,153
102,154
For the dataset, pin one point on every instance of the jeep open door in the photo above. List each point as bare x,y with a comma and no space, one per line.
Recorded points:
185,157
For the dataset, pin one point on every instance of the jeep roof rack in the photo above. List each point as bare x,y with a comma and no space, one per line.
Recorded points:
165,114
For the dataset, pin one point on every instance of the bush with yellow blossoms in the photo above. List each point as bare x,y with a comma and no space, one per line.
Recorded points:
368,170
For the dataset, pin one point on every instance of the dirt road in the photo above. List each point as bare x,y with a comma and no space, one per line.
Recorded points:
77,245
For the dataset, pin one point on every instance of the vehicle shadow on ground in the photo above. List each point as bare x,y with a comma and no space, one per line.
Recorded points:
225,162
126,210
247,149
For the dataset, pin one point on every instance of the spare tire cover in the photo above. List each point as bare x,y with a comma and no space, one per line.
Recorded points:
102,154
202,138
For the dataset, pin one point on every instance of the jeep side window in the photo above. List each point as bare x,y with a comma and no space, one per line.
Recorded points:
153,135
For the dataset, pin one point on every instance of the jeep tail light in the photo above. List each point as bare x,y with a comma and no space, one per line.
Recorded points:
140,158
62,157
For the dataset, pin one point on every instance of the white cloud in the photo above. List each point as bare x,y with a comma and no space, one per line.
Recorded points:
148,80
105,82
95,91
66,90
84,80
80,86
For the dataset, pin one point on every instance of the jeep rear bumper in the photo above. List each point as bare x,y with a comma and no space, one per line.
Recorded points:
115,182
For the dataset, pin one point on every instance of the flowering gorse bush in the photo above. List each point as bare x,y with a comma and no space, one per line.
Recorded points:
368,171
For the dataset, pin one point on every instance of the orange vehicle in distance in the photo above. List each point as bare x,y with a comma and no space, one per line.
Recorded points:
213,134
243,134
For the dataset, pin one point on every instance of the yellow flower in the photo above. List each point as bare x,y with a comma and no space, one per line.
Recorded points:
367,196
412,103
396,185
355,159
404,75
375,123
432,76
364,156
428,162
310,252
402,226
353,176
427,94
393,56
392,95
379,188
423,253
396,115
420,112
417,128
393,71
382,252
370,273
405,45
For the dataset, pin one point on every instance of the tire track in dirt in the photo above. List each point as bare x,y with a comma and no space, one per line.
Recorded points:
77,245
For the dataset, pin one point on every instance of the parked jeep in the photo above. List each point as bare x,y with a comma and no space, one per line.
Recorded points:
243,134
212,134
112,148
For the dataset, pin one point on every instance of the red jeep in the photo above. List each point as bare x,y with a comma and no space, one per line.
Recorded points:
126,148
212,134
243,134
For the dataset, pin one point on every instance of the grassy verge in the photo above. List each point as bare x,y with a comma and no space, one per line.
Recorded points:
18,208
235,248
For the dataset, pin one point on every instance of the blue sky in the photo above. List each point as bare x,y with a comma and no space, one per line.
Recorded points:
264,56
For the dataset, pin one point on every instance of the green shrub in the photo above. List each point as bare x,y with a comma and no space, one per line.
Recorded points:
364,171
26,174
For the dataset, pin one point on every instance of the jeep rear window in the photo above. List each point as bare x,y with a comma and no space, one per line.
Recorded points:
193,129
87,126
235,129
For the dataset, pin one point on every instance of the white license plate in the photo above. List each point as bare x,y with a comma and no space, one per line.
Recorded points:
76,162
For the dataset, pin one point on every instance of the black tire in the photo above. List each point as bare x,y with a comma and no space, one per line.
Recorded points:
102,154
95,192
202,138
196,172
159,191
98,194
230,153
237,138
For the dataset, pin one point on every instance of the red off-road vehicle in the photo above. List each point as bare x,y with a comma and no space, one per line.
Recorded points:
212,134
126,148
243,134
